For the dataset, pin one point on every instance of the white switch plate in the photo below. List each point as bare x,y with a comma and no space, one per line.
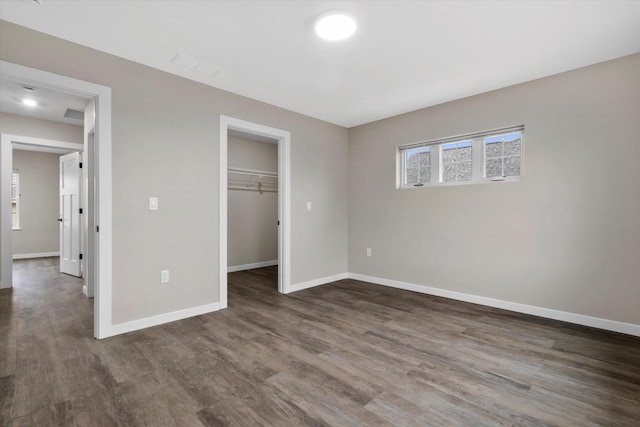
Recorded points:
308,206
368,251
164,276
153,203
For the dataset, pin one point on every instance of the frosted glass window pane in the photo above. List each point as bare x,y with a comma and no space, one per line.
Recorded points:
449,154
425,174
493,168
456,161
412,175
503,155
449,172
417,165
412,159
512,166
424,159
464,171
465,153
494,149
512,148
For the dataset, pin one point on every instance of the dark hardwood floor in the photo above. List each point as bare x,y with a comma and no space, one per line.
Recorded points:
348,353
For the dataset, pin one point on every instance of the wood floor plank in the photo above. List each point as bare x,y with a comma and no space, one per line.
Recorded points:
343,354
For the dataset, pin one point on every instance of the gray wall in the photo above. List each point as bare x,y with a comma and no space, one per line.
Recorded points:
252,229
36,128
165,134
39,202
566,237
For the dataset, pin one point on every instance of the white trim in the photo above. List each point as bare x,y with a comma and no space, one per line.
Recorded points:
579,319
243,267
284,201
45,142
35,255
317,282
147,322
102,95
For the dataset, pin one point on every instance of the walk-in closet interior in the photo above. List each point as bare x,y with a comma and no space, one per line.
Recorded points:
252,208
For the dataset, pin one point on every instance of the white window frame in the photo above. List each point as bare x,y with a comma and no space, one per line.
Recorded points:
477,159
16,200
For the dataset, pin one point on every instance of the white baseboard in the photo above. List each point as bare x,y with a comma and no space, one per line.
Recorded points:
579,319
317,282
242,267
147,322
36,255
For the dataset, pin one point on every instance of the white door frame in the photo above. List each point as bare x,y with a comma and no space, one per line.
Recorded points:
102,305
6,166
284,200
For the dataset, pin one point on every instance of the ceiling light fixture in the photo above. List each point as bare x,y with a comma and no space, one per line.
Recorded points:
335,25
29,102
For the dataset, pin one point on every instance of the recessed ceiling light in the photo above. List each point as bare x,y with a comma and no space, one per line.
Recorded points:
335,25
29,102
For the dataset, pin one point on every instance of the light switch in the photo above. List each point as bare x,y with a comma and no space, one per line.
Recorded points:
368,251
164,276
153,203
308,206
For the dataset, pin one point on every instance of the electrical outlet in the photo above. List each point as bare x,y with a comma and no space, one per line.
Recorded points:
368,251
308,206
153,203
164,276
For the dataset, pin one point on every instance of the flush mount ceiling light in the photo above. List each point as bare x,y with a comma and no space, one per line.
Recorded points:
335,25
29,102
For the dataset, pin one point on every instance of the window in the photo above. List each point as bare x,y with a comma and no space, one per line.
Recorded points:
469,159
457,161
15,199
418,165
503,155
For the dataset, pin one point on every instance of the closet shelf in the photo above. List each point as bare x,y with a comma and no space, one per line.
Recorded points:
254,182
252,172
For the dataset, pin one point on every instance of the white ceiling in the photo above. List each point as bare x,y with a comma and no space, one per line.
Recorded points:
405,55
52,104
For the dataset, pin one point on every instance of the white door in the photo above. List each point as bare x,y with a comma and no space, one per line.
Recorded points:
70,214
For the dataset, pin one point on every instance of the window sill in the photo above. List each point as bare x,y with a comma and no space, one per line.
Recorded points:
16,229
457,183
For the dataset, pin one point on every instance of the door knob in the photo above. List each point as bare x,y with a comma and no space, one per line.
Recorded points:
60,219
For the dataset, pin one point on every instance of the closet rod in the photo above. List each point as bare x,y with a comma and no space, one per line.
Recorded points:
245,182
261,190
254,172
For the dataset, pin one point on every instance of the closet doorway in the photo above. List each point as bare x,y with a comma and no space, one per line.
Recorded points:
254,200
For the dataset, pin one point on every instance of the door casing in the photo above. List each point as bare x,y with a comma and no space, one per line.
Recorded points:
284,200
103,325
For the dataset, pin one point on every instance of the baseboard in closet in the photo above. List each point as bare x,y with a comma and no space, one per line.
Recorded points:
242,267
